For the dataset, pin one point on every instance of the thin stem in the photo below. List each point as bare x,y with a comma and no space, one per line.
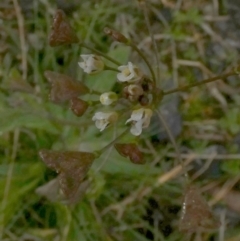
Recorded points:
20,20
95,92
178,153
145,60
146,16
113,142
106,67
100,53
199,83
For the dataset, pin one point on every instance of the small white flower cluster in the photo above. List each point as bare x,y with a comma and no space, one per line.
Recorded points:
129,74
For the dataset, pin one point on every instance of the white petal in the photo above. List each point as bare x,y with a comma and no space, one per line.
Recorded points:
82,65
137,114
121,77
130,66
84,56
136,128
101,124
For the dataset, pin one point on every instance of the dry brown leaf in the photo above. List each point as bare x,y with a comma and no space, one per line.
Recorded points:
78,106
130,150
62,32
72,167
64,87
196,213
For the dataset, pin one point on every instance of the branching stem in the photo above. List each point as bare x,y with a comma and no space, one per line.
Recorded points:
199,83
100,53
112,142
145,60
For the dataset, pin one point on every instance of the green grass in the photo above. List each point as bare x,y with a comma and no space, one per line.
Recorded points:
30,122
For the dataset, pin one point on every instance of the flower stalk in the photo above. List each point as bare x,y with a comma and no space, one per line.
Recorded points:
206,81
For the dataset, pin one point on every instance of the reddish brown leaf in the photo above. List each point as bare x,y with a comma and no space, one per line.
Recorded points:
64,87
117,36
62,32
78,106
130,150
72,167
196,214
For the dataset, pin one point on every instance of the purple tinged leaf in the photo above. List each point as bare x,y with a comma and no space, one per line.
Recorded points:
130,150
72,167
61,33
64,88
196,214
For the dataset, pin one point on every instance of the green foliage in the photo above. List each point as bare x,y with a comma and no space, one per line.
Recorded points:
231,120
110,209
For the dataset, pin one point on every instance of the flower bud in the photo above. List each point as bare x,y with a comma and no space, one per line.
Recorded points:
130,150
92,64
133,92
78,106
108,98
143,100
62,32
117,36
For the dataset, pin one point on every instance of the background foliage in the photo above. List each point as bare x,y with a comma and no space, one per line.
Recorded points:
196,40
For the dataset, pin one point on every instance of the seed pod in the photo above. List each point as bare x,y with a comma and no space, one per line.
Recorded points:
64,87
78,106
117,36
72,167
130,150
196,214
61,33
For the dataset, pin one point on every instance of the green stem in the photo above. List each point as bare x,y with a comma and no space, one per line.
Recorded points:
100,53
145,60
95,92
106,67
113,142
155,48
199,83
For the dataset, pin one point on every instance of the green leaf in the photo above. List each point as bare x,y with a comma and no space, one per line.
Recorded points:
15,118
231,121
105,80
231,166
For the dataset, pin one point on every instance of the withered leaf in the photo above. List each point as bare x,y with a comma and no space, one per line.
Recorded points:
62,32
130,150
117,36
78,106
196,214
72,167
64,87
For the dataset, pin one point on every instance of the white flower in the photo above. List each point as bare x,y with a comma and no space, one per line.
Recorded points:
103,119
108,98
140,119
91,64
129,73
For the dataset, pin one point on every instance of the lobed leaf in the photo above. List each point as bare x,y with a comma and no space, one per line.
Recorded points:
72,167
196,214
64,87
62,32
